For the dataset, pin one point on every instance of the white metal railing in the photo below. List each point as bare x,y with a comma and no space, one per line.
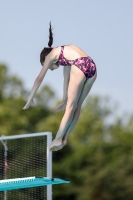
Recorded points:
3,140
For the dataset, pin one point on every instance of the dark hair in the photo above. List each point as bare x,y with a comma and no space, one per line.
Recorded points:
48,49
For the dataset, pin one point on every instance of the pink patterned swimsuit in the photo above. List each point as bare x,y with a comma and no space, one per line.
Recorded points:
85,64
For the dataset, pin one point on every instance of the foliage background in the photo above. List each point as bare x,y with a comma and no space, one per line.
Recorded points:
98,158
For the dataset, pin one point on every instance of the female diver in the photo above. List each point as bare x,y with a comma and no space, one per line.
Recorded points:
77,85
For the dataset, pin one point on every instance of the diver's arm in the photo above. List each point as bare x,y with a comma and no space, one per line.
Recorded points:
66,72
38,82
62,105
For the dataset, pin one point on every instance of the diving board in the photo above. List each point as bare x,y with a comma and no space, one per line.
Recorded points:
28,182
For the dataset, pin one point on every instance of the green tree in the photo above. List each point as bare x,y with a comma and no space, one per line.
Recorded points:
13,96
98,158
24,158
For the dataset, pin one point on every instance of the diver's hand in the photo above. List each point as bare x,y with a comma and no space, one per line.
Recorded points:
61,106
28,104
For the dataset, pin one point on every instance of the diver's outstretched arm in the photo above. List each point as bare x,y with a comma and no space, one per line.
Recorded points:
66,73
38,82
62,105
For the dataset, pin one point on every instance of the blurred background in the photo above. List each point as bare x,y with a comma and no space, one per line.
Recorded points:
98,158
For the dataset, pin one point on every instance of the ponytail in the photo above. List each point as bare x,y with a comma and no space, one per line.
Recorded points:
50,36
48,49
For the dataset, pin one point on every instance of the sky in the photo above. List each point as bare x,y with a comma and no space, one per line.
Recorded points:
103,29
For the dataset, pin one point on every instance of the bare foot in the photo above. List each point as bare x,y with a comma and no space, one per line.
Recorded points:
56,145
64,142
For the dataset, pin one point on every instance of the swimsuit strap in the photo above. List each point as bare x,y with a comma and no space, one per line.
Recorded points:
62,49
61,56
